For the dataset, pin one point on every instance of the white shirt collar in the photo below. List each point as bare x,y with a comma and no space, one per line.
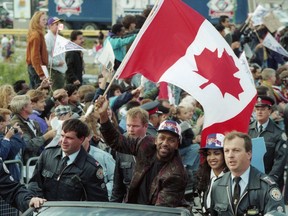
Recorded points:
244,179
72,157
264,125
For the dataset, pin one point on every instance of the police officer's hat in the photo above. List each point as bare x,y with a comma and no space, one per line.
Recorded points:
263,101
151,107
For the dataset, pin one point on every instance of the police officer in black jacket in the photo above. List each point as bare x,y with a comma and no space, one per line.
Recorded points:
274,137
14,193
68,172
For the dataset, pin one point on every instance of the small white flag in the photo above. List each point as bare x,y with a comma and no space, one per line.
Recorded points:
107,56
258,15
45,70
271,43
63,45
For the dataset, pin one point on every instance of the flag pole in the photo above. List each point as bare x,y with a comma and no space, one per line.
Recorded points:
115,75
92,107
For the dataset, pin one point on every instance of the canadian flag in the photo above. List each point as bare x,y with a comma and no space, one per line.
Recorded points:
177,45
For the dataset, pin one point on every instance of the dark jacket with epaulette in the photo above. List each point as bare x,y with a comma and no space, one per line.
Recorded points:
81,180
13,192
123,173
168,187
261,192
276,146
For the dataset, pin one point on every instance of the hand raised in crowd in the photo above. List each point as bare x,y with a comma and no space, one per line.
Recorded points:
45,83
58,93
50,134
101,105
77,82
48,121
107,74
61,63
13,130
36,202
136,92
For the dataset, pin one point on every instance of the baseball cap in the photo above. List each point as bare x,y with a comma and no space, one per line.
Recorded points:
264,100
214,141
62,110
170,126
53,20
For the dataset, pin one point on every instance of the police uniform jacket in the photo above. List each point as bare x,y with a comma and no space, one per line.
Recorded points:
168,187
123,173
13,192
276,146
261,194
81,180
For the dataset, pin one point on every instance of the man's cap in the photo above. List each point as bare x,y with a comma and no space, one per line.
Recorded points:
263,101
214,141
170,126
163,109
53,20
151,107
62,110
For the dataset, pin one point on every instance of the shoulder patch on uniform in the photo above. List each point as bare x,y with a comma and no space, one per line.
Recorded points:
99,173
92,161
284,137
275,194
268,180
280,209
6,169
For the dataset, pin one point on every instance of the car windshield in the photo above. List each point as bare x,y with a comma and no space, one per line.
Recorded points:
86,211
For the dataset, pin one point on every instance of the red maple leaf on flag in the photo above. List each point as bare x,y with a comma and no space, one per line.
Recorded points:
219,71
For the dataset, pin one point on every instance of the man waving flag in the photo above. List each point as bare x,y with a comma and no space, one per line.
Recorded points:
177,45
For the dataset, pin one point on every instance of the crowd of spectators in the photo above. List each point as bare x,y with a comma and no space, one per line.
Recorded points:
134,146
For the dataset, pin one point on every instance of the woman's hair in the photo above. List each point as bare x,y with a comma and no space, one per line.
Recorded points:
4,112
34,24
85,89
203,173
203,176
36,95
6,91
176,112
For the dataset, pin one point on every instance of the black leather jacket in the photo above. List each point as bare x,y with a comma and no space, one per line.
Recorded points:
81,180
13,192
276,145
122,176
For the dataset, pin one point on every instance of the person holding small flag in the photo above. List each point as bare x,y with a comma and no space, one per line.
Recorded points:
57,64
